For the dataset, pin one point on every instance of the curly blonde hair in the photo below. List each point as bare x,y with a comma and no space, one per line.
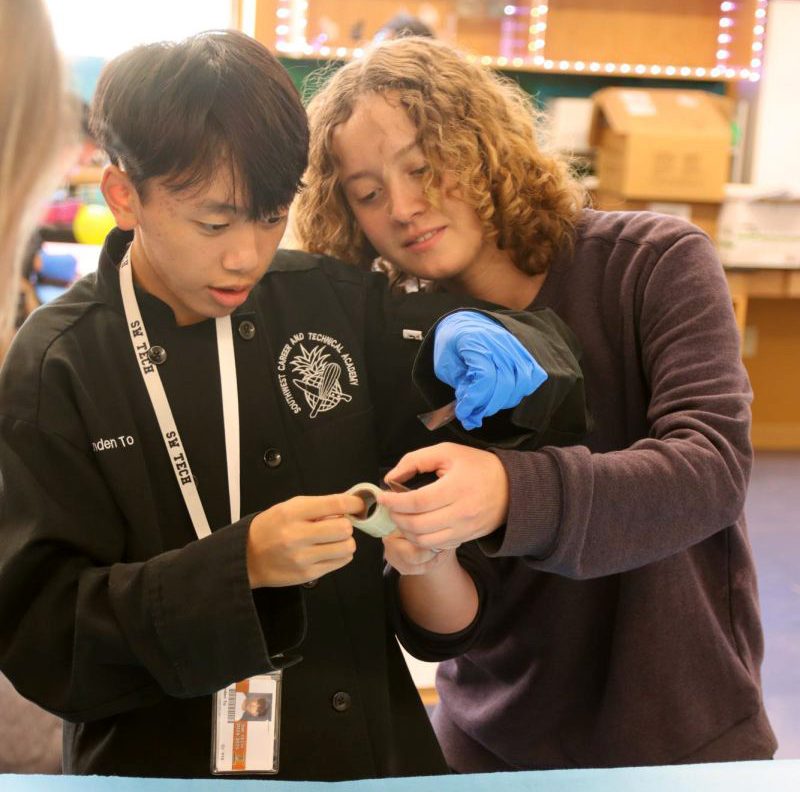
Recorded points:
471,122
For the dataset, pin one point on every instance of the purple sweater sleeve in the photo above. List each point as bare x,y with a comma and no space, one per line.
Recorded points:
583,514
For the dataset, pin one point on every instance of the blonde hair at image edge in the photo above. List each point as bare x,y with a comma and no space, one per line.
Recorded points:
33,128
472,122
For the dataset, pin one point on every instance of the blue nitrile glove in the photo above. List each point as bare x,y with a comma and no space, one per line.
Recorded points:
487,366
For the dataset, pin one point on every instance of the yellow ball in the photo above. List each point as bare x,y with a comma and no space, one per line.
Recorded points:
92,224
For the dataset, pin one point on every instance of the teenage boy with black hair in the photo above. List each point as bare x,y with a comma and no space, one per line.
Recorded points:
111,615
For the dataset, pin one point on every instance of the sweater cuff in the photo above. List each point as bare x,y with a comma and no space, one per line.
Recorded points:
534,508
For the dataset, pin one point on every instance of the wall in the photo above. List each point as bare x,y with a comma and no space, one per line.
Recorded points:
776,142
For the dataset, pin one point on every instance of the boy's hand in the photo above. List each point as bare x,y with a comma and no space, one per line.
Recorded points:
301,539
435,591
411,559
469,499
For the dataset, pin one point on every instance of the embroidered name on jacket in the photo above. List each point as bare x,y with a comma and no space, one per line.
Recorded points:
314,368
110,443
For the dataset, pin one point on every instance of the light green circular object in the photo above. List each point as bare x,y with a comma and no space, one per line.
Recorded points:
374,519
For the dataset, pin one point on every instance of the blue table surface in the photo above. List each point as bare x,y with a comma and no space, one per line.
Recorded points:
772,776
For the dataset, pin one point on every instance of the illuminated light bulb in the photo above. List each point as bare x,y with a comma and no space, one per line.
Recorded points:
502,60
670,70
538,60
725,7
563,65
579,65
517,62
685,71
640,68
283,13
758,30
755,77
757,46
510,10
701,72
282,30
610,67
760,13
730,73
755,63
724,38
532,46
538,44
325,50
341,51
625,68
725,22
548,64
541,26
486,60
723,54
358,52
594,66
744,73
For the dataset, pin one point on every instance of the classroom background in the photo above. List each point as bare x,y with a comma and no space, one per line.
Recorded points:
687,107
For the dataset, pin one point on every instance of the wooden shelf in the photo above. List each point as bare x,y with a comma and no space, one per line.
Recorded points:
765,304
680,39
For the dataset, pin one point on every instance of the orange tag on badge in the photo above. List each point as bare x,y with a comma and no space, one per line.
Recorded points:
246,726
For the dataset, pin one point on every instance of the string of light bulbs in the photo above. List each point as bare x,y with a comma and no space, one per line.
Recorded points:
292,23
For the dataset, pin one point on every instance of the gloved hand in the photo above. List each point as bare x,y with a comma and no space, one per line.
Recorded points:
487,366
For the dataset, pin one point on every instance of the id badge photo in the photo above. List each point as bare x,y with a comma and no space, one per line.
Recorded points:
246,726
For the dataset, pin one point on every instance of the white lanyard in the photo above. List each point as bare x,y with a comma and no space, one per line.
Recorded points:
166,422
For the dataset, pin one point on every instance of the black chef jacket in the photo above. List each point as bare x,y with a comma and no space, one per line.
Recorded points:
113,615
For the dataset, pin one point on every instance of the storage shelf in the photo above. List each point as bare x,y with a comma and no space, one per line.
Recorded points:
682,39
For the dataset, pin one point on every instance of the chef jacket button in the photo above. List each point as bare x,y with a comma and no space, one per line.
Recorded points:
272,458
247,330
157,354
341,701
309,584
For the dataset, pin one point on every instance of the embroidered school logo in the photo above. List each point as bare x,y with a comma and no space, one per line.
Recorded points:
315,368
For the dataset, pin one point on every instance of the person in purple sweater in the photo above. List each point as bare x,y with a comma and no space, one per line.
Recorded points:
591,605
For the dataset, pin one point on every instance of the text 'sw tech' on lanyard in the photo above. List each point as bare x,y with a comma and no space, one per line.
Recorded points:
166,422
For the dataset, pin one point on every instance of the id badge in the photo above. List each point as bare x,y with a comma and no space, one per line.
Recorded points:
246,727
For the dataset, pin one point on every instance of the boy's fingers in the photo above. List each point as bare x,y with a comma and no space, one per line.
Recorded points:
431,497
328,530
332,552
316,507
423,460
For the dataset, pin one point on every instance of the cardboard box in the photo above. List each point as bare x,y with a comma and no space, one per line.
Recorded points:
759,227
702,214
662,144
